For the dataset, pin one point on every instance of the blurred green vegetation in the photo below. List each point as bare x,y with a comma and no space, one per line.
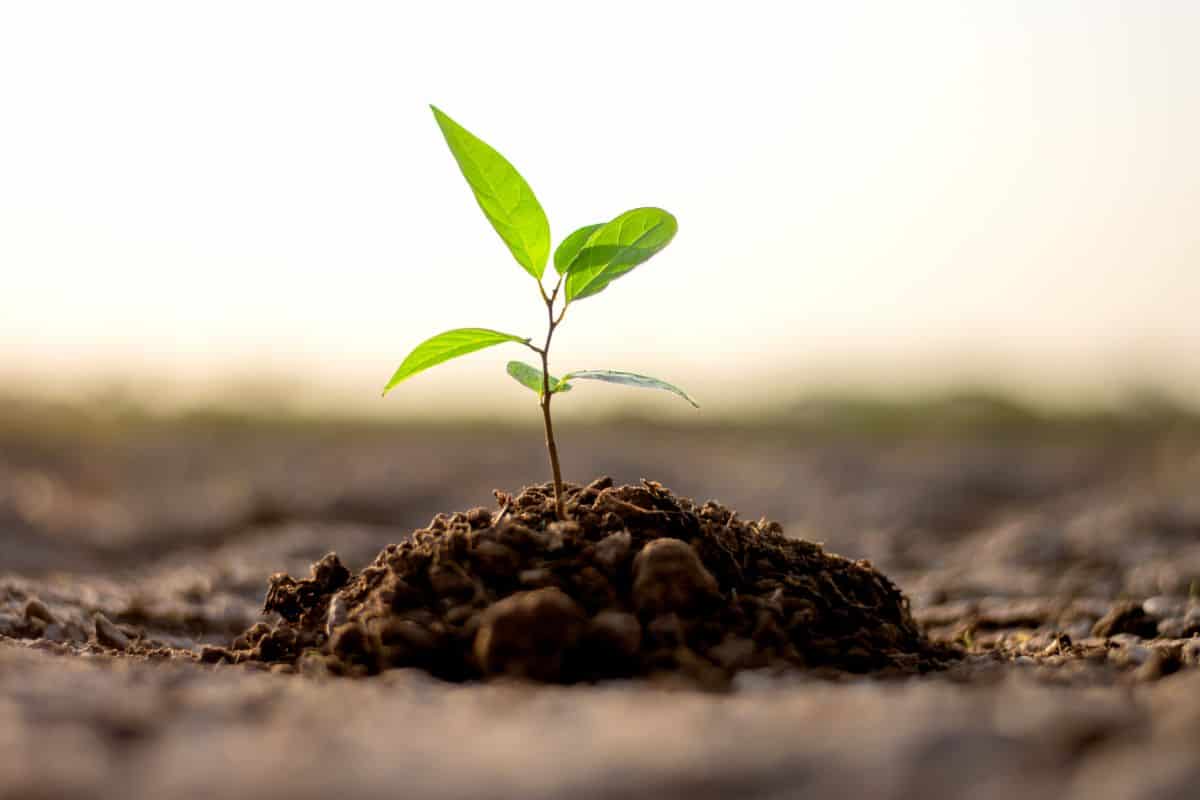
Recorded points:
962,413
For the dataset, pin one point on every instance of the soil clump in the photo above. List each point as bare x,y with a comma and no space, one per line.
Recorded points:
637,582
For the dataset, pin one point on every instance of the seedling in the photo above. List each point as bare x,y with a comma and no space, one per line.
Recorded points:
586,261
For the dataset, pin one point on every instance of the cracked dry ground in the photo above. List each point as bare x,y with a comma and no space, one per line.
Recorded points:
1067,570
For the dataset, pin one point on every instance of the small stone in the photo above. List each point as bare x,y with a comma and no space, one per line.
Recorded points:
668,576
529,634
1129,618
36,609
1163,606
1190,652
109,634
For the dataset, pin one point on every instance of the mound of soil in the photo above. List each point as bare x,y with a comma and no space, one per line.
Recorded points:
636,582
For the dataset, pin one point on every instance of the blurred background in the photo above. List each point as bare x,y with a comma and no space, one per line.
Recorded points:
250,203
935,287
936,269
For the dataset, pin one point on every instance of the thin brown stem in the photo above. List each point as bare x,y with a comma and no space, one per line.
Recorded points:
551,446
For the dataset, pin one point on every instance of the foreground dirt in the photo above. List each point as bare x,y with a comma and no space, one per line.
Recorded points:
1068,571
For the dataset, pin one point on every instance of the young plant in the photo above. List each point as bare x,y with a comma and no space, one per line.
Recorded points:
586,261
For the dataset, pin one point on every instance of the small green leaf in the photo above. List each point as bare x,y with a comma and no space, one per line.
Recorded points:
446,346
569,247
531,378
617,247
627,379
505,197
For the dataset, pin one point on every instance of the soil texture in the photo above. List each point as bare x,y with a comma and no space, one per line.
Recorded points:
635,582
1062,566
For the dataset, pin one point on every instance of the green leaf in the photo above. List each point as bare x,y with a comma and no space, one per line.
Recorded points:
569,247
617,247
627,379
446,346
531,378
505,197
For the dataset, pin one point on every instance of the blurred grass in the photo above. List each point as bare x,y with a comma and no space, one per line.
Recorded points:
961,414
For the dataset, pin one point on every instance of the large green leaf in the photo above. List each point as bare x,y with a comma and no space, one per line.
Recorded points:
531,378
617,247
569,247
505,197
627,379
446,346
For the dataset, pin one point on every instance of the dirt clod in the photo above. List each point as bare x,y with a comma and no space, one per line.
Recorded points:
636,582
530,634
668,576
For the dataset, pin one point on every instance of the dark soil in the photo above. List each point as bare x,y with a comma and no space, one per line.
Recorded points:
1064,563
637,582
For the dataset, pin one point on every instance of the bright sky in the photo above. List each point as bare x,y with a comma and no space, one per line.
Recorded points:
866,191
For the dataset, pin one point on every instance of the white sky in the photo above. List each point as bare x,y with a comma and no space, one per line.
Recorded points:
871,192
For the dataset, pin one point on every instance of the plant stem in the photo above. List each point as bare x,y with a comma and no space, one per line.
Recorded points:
551,446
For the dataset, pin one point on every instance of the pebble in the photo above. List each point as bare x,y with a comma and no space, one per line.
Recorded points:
109,634
36,609
1163,606
1126,618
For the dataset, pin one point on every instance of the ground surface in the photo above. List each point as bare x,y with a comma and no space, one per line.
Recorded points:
1067,567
